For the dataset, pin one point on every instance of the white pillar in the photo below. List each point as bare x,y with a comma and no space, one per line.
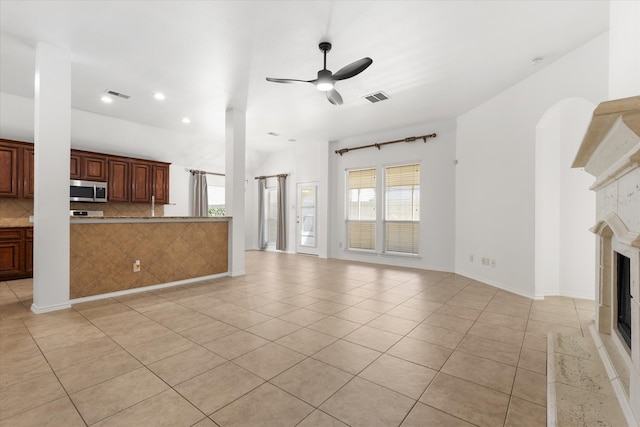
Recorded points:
624,49
235,121
52,122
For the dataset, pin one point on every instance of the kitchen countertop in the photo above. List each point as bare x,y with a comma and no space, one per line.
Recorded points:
146,219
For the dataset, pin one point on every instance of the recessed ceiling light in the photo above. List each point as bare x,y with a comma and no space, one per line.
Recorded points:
536,61
186,120
106,99
273,134
159,96
292,140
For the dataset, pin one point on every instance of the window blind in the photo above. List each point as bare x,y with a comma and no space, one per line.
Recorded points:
402,208
361,208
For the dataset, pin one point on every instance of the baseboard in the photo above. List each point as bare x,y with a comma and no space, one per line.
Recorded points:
147,288
49,308
541,295
498,285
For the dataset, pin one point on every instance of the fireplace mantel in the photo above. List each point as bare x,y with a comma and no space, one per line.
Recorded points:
610,151
619,113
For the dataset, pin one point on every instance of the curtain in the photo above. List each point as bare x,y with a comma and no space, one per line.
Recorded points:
281,237
200,195
262,217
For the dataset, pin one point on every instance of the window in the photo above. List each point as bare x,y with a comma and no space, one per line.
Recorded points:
402,208
361,209
216,200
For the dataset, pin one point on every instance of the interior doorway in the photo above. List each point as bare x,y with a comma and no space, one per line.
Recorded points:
307,218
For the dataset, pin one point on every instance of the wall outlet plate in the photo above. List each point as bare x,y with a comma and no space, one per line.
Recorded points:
136,266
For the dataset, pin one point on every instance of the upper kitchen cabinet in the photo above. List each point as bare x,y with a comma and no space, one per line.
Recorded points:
27,172
141,181
149,179
160,173
88,166
9,169
119,183
128,179
16,169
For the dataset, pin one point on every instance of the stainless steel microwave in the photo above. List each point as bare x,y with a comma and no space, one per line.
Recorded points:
88,191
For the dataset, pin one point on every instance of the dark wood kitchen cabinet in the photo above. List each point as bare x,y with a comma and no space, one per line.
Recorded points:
119,183
16,169
16,253
129,179
27,172
88,166
140,181
149,179
160,173
9,169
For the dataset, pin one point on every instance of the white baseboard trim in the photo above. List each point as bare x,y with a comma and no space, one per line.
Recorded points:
147,288
498,285
543,294
49,308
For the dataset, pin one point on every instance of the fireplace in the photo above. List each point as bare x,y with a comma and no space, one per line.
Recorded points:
610,151
623,293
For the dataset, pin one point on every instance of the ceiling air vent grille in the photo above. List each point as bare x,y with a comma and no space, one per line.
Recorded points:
376,97
118,94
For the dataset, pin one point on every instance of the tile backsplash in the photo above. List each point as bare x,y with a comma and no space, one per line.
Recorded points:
116,209
16,212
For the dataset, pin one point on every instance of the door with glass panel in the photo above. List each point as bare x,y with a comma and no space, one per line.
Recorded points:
306,219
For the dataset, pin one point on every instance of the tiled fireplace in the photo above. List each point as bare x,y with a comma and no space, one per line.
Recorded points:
610,152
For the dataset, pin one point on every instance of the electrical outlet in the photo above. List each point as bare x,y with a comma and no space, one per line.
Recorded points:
485,261
470,258
493,263
136,266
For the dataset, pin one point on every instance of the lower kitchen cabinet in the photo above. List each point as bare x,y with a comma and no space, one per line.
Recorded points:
16,253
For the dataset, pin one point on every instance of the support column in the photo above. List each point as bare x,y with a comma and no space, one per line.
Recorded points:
235,123
52,142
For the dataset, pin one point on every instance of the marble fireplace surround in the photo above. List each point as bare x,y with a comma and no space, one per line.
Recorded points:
610,152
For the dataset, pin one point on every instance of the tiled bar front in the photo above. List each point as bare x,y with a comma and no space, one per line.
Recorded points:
103,251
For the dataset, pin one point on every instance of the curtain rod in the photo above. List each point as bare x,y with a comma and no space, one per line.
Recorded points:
380,144
272,176
208,173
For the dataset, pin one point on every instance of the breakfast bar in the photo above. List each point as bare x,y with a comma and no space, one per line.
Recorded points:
112,254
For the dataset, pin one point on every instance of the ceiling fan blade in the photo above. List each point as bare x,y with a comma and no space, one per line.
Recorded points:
352,69
270,79
334,97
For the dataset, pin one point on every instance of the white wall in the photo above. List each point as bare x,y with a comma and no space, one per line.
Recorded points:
565,255
304,161
495,175
179,194
437,191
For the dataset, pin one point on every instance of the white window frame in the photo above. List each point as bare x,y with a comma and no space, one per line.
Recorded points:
361,222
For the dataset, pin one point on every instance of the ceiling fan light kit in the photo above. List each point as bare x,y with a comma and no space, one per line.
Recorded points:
326,79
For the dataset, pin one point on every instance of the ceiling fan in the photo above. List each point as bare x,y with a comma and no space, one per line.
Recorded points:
326,79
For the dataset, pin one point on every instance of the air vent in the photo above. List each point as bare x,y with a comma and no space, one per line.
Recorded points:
376,97
118,94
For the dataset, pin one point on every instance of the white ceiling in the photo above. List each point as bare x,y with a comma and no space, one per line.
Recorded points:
435,59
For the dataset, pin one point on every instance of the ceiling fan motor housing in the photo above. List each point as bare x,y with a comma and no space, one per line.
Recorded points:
325,46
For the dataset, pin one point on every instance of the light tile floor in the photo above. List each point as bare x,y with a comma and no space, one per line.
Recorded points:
296,341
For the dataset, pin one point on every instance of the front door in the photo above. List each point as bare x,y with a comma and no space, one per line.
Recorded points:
306,239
